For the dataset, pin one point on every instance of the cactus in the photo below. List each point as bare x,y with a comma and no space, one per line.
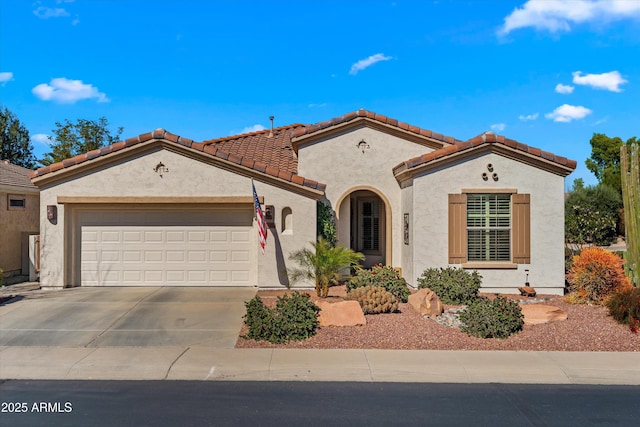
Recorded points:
630,174
374,299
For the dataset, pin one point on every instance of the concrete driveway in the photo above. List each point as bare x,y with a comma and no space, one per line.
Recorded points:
131,317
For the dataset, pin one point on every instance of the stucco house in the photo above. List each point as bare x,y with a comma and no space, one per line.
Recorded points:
159,209
19,218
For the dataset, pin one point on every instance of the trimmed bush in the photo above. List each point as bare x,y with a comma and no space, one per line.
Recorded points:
383,276
294,317
452,285
499,318
624,307
374,299
596,273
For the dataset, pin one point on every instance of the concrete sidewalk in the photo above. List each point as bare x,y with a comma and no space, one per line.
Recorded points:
205,363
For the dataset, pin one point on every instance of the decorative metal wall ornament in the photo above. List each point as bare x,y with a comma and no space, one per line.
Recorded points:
161,169
362,145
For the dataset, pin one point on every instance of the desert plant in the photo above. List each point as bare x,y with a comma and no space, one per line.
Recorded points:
323,265
452,285
294,317
630,174
382,276
596,273
499,318
624,307
374,299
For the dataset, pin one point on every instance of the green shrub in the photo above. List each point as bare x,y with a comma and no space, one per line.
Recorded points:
383,276
452,285
326,223
499,318
374,299
294,317
591,215
624,306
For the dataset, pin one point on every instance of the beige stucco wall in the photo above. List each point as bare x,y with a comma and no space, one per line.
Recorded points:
186,177
430,199
15,224
338,162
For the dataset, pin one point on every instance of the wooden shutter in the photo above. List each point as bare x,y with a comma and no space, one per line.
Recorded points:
457,228
521,228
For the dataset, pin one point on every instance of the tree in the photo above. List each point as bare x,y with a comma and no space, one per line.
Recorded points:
605,159
323,265
71,139
15,144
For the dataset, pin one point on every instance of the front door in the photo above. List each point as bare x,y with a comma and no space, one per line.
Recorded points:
367,227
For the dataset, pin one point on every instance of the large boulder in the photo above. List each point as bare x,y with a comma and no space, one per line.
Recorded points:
426,302
343,313
536,314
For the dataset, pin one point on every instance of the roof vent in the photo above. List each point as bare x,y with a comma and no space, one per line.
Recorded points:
271,131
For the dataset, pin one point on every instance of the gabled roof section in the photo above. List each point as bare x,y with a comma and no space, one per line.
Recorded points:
224,149
488,140
265,147
373,118
15,175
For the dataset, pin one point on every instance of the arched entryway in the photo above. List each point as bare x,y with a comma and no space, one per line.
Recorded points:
364,224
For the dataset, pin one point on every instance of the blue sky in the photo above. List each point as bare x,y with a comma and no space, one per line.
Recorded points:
547,73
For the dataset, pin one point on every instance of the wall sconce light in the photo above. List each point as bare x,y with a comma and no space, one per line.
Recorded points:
362,145
52,213
161,169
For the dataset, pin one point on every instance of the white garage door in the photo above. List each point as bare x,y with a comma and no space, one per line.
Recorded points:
166,255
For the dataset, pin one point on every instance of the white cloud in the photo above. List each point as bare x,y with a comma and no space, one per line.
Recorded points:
566,113
43,12
76,20
498,127
365,63
609,81
528,117
324,104
560,88
41,138
558,15
254,128
5,77
67,91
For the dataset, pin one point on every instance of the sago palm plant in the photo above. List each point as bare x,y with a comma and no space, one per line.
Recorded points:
323,264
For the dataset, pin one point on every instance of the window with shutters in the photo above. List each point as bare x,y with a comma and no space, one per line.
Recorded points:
488,227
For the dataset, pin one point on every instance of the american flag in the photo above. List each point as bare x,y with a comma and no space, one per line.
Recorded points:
262,224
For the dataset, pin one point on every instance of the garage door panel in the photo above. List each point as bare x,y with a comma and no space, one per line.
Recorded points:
117,254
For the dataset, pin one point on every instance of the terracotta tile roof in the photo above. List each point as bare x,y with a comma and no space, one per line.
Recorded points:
273,149
15,175
310,129
485,138
252,151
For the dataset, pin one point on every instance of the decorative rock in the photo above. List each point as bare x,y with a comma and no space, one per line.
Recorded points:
426,302
536,314
527,291
343,313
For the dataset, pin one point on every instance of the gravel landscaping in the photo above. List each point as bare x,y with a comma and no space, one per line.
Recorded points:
587,328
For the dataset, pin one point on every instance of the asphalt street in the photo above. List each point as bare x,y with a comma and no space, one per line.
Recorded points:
180,403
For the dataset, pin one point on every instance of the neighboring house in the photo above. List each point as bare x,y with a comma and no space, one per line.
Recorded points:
159,209
19,218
